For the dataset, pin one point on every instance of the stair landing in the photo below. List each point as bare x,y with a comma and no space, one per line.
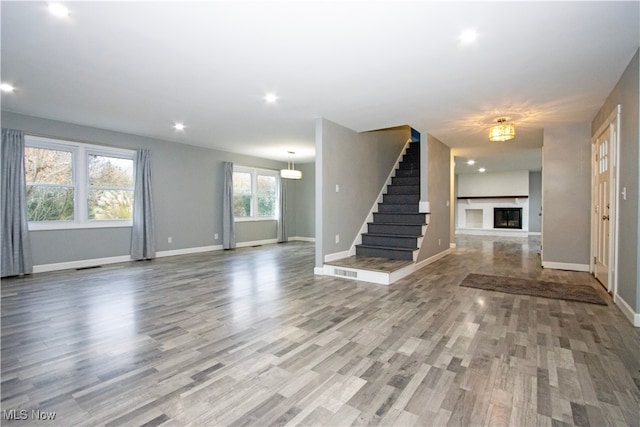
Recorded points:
369,269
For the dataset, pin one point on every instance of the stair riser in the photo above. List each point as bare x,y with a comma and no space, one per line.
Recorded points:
417,219
409,165
389,208
400,198
398,230
407,172
384,253
405,180
413,157
403,189
392,242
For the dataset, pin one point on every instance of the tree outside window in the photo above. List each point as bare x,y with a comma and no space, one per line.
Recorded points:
50,189
267,191
255,193
110,188
242,194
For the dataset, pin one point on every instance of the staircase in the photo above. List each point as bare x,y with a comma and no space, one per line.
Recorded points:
397,227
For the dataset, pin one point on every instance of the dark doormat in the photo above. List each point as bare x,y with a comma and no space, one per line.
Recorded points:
536,288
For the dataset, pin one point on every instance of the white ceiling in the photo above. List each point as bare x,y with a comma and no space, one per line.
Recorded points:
138,67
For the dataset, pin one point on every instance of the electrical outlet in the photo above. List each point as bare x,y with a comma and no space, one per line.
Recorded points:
337,188
215,236
170,240
337,238
439,242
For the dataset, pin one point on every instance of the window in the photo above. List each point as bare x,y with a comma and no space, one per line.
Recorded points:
110,187
50,189
255,194
76,185
242,194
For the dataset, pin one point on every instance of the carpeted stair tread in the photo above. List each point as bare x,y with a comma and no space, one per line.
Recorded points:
389,248
401,236
397,223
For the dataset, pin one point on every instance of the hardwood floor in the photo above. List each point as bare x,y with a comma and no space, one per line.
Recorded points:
251,337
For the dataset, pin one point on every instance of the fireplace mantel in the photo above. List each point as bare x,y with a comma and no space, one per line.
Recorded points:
475,215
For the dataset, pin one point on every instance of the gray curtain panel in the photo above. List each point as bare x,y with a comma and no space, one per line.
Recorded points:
143,232
228,224
16,247
283,235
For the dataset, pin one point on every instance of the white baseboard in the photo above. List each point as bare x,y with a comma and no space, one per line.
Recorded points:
336,256
256,243
85,263
628,312
187,251
302,239
535,233
452,245
94,262
565,266
318,271
432,259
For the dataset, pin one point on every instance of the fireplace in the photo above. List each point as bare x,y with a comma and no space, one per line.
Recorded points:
507,218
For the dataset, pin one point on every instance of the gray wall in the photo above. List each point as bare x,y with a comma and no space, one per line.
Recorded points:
437,236
360,164
305,201
252,231
187,195
627,94
566,195
535,201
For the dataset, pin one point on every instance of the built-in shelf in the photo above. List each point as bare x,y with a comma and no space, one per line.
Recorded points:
493,197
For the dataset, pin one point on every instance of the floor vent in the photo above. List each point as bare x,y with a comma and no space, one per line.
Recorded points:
88,268
345,273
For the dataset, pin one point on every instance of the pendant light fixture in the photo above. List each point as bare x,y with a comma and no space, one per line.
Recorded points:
290,172
503,131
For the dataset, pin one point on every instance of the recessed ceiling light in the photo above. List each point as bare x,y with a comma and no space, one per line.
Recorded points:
468,36
481,170
6,87
178,126
58,10
271,98
471,162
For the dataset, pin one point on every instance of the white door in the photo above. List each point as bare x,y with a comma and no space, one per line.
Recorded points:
602,207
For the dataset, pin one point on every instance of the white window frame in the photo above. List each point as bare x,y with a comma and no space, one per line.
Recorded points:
80,152
254,172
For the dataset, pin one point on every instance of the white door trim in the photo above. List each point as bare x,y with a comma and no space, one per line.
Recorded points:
614,171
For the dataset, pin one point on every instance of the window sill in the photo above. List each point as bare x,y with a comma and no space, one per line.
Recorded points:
252,219
78,226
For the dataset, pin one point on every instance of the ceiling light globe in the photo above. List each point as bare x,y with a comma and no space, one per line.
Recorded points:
6,87
58,10
468,36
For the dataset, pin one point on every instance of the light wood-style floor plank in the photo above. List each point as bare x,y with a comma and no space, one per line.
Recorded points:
251,337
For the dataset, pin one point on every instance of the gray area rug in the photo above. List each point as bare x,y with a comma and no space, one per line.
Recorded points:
536,288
